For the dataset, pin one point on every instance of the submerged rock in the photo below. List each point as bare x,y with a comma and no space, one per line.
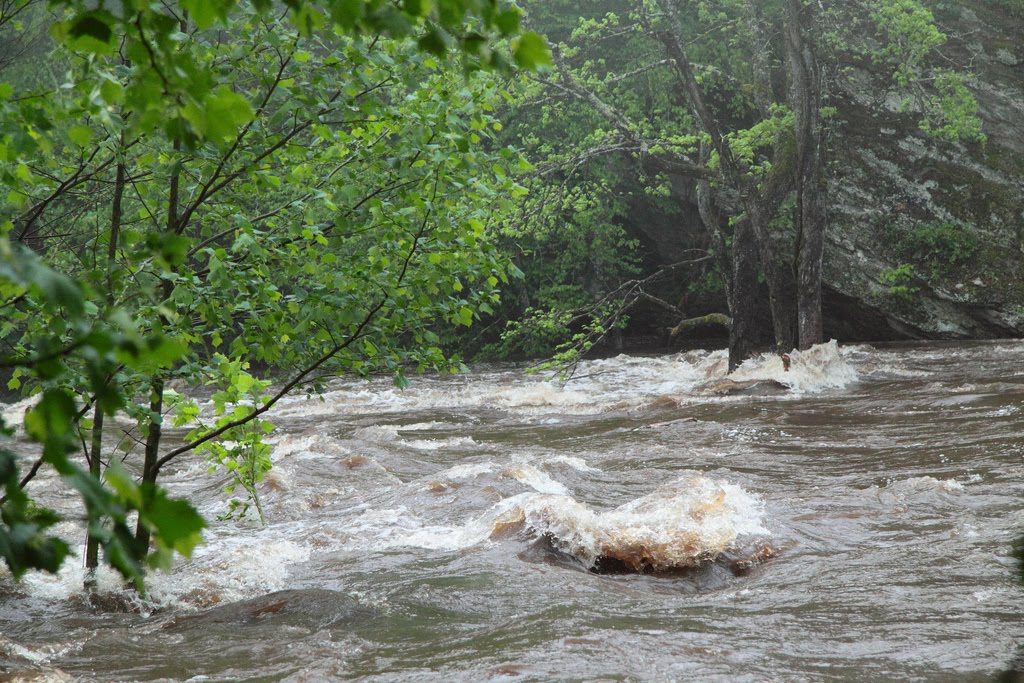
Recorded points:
309,607
751,387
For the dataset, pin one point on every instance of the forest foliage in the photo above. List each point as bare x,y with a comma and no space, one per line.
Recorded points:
211,194
617,124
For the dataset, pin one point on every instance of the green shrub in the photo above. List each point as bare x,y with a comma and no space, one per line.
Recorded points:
936,248
900,281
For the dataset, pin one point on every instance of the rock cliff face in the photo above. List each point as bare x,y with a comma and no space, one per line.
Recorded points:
927,238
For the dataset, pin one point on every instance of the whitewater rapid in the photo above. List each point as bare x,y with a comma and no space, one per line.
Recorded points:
673,526
504,516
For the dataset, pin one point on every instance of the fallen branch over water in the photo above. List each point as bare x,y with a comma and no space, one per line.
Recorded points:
702,321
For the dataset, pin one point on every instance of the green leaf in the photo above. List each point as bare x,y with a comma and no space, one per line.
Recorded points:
435,41
165,351
52,418
508,21
531,51
123,484
159,351
347,13
205,12
222,114
92,32
242,382
416,8
23,542
80,135
175,523
58,289
169,247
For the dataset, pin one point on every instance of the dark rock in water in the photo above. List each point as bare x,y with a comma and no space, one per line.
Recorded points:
737,564
750,387
1014,672
312,608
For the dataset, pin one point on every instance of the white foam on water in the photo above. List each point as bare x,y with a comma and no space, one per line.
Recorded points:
424,426
305,447
69,581
40,654
525,472
394,434
578,464
681,524
817,369
378,530
521,471
597,386
536,479
14,413
377,433
442,444
467,471
617,379
925,484
230,568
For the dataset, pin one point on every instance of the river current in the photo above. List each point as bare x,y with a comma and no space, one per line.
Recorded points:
851,518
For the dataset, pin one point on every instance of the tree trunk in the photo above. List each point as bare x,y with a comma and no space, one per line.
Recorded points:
149,467
743,333
92,543
806,100
739,270
809,303
779,276
711,217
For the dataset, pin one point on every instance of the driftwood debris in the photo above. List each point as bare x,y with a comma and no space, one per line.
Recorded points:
702,321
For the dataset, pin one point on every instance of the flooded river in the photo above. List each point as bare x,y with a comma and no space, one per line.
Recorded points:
855,526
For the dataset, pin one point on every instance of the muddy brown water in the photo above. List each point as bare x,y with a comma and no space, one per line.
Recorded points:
890,482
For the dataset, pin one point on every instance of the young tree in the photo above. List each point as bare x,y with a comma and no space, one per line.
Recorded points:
217,188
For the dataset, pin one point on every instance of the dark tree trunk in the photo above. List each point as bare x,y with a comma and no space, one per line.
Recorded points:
744,331
806,100
739,268
779,276
149,465
711,217
92,543
760,207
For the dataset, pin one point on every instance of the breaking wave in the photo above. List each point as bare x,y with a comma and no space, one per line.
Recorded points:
683,524
817,369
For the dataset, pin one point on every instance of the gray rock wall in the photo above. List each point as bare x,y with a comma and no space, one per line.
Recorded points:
952,213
